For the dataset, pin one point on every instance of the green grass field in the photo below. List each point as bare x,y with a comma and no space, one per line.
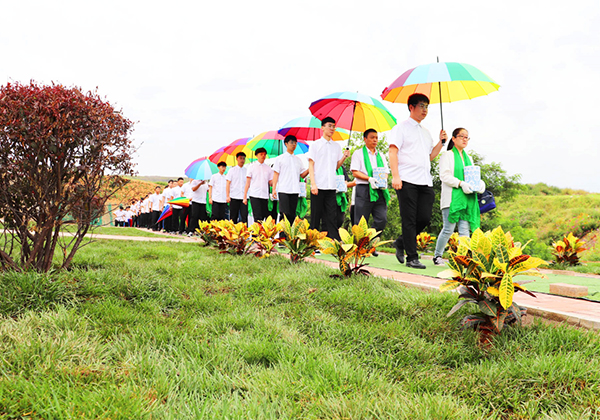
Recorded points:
154,330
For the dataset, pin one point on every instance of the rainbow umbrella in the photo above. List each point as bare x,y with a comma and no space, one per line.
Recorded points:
441,82
272,141
201,169
227,153
180,201
354,111
309,129
220,155
167,211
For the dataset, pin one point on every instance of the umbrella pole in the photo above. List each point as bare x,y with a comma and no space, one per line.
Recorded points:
440,87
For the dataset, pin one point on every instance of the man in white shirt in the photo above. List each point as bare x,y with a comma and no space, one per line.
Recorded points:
217,194
167,195
177,192
411,151
371,198
287,172
198,204
236,181
156,205
325,156
258,179
186,191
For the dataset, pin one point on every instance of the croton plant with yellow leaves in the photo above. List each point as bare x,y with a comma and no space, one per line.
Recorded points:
353,247
483,270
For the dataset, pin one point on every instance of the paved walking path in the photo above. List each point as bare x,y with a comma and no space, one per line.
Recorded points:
577,312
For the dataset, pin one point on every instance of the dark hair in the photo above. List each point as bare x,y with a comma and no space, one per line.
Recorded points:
221,163
327,120
290,138
179,179
369,131
158,186
170,180
260,150
415,98
240,154
455,133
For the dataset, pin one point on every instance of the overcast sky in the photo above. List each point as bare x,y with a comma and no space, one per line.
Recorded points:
195,76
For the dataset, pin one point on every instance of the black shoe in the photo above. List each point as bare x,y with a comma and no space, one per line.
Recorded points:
375,254
399,251
415,264
438,260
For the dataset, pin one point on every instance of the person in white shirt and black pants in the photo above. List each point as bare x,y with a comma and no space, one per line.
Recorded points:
411,151
236,181
258,180
325,156
217,196
198,204
287,172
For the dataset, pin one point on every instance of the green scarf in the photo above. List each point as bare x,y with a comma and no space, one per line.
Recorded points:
463,206
341,197
302,207
208,206
373,193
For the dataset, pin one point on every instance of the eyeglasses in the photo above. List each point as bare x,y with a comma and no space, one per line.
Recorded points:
460,136
423,106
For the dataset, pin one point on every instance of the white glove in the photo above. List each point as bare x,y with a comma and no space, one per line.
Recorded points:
481,188
466,188
373,183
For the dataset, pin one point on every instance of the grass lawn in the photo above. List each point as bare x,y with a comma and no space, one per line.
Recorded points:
117,231
155,330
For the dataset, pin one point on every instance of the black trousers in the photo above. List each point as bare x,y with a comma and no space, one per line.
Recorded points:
175,219
238,211
155,216
198,213
218,210
364,207
184,217
287,206
324,213
416,205
260,208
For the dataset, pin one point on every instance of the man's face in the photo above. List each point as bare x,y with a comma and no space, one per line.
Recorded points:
241,160
371,140
180,182
170,184
419,112
157,190
291,146
222,169
261,157
328,129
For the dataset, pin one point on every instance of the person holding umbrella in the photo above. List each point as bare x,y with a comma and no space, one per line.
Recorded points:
458,202
411,151
325,156
217,195
236,180
286,179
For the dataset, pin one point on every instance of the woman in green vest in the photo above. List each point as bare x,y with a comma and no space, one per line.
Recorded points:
458,200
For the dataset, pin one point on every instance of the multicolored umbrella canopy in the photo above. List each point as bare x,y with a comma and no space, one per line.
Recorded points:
220,155
272,141
354,111
167,212
227,153
309,129
180,201
201,169
441,82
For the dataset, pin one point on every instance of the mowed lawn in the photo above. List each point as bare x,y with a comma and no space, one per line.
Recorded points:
178,331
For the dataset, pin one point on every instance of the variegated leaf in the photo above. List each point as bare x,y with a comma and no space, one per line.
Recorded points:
507,291
449,285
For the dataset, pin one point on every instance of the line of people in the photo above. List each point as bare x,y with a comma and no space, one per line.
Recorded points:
252,193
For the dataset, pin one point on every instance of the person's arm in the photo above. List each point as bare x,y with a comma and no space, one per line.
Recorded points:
344,157
195,187
303,174
274,181
227,189
246,188
210,194
447,171
311,172
438,147
351,184
396,181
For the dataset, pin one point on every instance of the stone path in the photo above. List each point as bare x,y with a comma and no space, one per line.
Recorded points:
576,312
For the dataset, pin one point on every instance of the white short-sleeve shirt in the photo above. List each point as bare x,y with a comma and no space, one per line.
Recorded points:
155,201
187,190
289,167
325,154
237,177
175,193
166,195
260,174
414,143
358,163
199,196
218,184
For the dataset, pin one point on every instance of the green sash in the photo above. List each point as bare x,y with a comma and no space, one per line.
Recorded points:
341,197
373,193
463,206
208,206
302,207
